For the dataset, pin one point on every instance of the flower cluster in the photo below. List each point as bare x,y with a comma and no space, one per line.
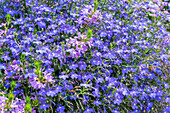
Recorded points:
84,56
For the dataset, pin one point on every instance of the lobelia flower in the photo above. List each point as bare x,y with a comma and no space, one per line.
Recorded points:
73,66
117,101
134,106
44,106
2,66
74,75
60,109
35,83
51,93
58,89
64,77
88,110
5,57
82,65
48,77
115,111
97,103
85,85
41,24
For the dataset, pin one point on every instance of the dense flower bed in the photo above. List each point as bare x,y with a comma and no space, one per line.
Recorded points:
91,56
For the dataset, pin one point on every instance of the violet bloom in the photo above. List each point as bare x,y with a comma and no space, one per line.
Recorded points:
117,101
48,77
5,57
64,77
85,85
44,106
60,109
41,24
97,103
74,75
82,66
37,84
51,93
58,89
73,66
30,75
89,110
2,66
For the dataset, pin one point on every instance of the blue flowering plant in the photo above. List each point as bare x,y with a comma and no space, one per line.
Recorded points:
97,56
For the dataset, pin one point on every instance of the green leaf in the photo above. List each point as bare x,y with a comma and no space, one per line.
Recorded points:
13,84
8,16
89,35
27,99
96,4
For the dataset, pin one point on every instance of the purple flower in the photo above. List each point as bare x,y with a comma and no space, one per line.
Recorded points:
48,77
51,93
166,85
64,77
96,93
85,85
74,75
134,106
82,66
100,80
5,57
115,111
30,75
58,89
118,62
117,101
44,106
41,24
36,84
167,100
136,111
60,109
97,103
103,34
73,66
2,66
150,104
88,110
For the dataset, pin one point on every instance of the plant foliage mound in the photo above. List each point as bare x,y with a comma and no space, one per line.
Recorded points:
97,56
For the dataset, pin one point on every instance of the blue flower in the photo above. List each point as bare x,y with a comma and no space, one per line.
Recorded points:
73,66
30,75
136,111
58,89
44,106
167,100
166,85
82,66
168,109
2,66
97,103
134,106
100,80
61,109
115,111
85,85
117,101
88,110
2,1
64,77
74,75
51,93
5,57
103,34
150,104
41,24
